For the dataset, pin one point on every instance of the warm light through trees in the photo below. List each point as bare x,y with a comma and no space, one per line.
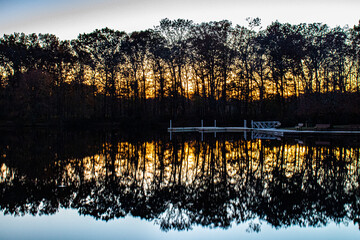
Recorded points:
183,70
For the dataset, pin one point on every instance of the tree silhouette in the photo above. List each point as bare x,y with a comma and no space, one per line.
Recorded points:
185,71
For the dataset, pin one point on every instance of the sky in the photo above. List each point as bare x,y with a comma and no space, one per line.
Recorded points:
69,18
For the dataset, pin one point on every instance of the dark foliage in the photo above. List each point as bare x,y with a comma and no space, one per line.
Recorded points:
183,71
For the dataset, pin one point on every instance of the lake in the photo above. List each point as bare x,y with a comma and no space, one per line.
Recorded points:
111,184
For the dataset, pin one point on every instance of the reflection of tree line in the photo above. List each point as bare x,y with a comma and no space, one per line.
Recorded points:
184,183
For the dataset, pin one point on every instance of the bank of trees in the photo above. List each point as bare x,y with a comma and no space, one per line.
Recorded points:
183,70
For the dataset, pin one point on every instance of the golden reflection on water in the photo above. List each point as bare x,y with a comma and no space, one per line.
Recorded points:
183,183
186,162
5,173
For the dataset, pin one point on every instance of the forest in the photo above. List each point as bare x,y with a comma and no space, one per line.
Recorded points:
184,71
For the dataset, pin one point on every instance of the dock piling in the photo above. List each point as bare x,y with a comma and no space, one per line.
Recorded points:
202,133
215,127
245,126
170,131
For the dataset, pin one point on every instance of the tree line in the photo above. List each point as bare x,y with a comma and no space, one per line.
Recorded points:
184,71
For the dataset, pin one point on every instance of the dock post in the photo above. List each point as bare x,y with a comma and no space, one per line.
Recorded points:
170,130
245,133
215,129
202,130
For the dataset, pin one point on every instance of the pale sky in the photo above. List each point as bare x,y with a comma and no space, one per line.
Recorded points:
68,18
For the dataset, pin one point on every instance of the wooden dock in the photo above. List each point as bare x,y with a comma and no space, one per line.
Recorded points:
266,127
271,131
209,129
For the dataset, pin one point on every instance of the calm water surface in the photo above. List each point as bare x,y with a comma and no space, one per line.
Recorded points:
113,185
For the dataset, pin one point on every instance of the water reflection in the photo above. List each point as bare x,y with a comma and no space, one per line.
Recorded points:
183,182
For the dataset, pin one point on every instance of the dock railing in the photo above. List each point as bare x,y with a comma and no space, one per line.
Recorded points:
265,124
